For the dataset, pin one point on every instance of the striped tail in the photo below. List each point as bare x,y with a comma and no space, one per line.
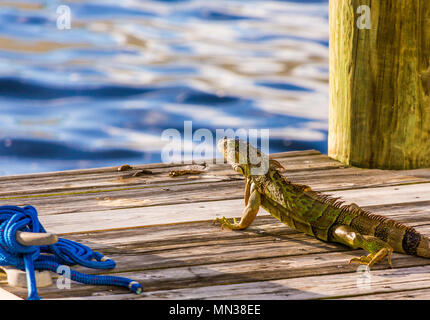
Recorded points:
414,243
401,238
404,239
423,249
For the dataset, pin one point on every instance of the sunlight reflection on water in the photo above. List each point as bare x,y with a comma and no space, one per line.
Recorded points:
101,93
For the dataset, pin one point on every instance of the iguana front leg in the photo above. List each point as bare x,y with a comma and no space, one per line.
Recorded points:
248,214
379,250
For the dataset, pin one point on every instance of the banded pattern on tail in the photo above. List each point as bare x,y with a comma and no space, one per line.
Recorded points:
402,238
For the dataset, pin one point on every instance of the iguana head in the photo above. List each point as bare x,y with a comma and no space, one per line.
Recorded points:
245,158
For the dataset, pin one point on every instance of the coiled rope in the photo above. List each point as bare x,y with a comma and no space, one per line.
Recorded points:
51,257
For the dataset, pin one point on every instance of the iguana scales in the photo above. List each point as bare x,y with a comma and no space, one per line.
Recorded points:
316,214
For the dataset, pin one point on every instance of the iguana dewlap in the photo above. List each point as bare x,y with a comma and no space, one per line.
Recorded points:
315,214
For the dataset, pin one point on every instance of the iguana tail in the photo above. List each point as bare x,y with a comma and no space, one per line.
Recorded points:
407,240
417,244
423,247
401,238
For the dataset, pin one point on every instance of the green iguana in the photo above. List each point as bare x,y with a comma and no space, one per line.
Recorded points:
315,214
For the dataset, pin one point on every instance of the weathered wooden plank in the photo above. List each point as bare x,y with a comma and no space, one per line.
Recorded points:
193,190
188,243
405,294
88,182
386,195
296,268
200,233
314,287
138,217
137,256
241,257
105,177
81,172
69,185
94,183
179,235
123,198
421,173
217,251
330,178
113,184
208,210
281,267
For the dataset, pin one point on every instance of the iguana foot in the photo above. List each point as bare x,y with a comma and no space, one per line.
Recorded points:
227,224
371,259
362,260
379,250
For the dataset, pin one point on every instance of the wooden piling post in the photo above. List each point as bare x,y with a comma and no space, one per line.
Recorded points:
380,83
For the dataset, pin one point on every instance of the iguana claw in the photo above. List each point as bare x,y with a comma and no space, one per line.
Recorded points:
371,259
362,260
226,223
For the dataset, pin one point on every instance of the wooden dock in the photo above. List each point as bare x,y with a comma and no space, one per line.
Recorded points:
159,230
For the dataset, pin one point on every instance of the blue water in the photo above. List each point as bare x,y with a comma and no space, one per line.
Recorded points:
102,92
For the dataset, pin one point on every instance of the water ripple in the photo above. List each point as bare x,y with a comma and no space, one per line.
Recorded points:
101,93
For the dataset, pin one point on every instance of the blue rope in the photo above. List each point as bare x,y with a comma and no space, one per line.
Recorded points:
64,252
